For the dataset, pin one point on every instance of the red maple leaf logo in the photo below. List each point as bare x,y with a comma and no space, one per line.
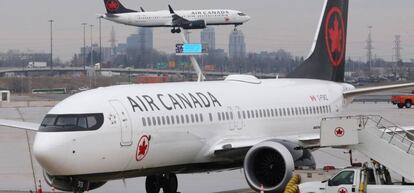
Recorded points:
142,148
112,5
339,132
335,35
342,190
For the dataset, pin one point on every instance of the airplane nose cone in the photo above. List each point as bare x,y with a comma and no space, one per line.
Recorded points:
247,18
48,152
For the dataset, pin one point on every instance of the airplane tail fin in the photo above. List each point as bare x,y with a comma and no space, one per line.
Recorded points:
114,7
327,58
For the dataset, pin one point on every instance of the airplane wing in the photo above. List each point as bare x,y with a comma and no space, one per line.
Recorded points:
361,91
238,147
177,20
20,125
108,15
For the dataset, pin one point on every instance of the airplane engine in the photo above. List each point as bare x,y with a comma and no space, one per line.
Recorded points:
271,163
198,24
69,184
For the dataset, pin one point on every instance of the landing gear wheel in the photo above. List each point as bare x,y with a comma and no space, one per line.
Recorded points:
173,30
80,186
408,104
152,184
235,27
400,106
170,183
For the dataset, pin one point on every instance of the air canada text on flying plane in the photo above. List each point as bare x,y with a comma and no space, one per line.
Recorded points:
173,101
210,12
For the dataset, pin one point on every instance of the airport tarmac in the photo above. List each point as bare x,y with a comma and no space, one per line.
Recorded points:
16,173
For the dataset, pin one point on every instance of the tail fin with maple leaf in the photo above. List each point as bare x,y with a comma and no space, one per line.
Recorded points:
114,7
327,58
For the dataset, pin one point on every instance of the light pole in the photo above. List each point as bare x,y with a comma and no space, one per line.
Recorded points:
91,45
100,40
51,43
84,46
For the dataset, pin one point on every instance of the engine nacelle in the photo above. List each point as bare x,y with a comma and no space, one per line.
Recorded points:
271,163
198,24
69,184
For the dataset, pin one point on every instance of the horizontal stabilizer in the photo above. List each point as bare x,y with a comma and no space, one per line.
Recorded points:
20,125
361,91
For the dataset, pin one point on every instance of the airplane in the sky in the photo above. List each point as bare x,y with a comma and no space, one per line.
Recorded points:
185,19
160,130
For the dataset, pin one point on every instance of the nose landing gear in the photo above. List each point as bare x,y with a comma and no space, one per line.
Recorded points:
174,30
235,27
168,182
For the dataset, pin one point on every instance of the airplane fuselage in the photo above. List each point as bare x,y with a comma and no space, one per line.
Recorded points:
182,123
164,18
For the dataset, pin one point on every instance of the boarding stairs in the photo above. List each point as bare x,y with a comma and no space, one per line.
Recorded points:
375,137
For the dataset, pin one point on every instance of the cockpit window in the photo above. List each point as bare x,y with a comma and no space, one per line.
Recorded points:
73,122
241,14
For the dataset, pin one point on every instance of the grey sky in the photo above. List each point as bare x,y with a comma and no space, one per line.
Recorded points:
275,24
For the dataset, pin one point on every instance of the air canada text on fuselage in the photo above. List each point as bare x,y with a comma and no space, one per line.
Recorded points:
173,101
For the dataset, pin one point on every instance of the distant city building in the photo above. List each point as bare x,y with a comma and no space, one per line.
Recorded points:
122,48
142,40
218,53
208,36
237,46
18,58
106,52
147,38
132,41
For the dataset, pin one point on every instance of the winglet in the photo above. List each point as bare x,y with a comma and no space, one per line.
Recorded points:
171,9
142,9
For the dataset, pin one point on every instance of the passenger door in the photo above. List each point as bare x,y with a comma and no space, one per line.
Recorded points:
238,113
124,122
236,119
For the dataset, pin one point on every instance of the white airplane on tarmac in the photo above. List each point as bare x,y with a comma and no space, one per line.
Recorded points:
186,19
160,130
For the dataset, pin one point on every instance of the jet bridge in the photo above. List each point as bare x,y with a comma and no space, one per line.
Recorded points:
373,136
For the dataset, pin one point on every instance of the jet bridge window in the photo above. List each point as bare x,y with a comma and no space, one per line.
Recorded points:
73,122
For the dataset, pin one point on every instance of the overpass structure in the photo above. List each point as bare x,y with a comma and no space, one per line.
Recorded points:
123,71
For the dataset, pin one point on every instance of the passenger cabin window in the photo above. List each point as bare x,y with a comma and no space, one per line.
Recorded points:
67,123
345,177
154,121
149,121
168,120
144,122
178,119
